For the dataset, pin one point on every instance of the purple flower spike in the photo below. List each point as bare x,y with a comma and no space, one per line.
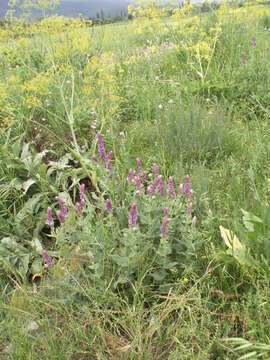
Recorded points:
139,165
109,156
109,205
254,43
164,227
101,148
161,186
61,216
171,187
187,187
62,205
47,259
78,208
131,174
180,189
166,211
133,216
138,183
150,190
155,169
50,222
189,208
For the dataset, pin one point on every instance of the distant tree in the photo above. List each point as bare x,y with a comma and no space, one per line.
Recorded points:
27,6
102,17
97,15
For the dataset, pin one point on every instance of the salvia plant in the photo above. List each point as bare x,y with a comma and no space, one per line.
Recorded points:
134,227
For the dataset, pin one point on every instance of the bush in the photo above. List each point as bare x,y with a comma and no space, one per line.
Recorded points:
129,230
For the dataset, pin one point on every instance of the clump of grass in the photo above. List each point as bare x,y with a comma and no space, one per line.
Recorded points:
195,133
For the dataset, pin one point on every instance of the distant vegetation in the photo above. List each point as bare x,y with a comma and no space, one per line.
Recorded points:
86,8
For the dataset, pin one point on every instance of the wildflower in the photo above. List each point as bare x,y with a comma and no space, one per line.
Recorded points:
131,175
189,208
133,216
139,165
171,187
155,168
138,183
62,213
180,189
109,205
50,222
47,259
187,187
161,186
62,204
78,207
166,211
150,190
160,106
61,216
94,158
122,134
101,148
164,227
254,42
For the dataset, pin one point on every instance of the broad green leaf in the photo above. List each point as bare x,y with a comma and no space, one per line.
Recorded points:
27,184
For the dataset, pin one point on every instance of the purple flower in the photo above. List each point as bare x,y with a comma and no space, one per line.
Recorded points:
161,186
94,158
109,205
187,187
189,208
171,187
254,42
133,216
164,226
47,259
61,216
139,165
150,190
109,156
50,222
62,204
101,148
138,183
78,207
62,213
166,211
131,174
155,169
180,189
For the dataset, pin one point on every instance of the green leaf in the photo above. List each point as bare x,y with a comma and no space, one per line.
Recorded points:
27,184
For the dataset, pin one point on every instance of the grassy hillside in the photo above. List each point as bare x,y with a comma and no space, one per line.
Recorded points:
134,187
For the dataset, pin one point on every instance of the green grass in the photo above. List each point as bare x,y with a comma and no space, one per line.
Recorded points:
111,292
